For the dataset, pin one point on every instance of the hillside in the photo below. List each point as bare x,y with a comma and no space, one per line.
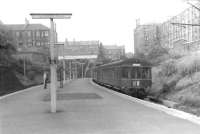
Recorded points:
178,80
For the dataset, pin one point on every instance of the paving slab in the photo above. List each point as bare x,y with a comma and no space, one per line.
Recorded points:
83,108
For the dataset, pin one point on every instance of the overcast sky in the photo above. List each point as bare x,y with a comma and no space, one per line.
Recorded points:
110,21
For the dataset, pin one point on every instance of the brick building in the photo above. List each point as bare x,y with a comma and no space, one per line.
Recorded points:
30,35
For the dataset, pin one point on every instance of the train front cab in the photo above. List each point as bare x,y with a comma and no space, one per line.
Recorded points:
136,80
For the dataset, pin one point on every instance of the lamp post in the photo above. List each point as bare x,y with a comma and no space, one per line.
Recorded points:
52,16
64,68
82,69
70,69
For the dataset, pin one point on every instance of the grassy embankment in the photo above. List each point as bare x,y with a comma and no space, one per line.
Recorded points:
178,80
13,79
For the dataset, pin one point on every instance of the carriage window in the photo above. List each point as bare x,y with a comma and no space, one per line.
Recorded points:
126,72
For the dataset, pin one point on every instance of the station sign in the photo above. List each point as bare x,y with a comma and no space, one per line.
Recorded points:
136,65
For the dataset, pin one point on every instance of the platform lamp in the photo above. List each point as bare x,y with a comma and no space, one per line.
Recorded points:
52,16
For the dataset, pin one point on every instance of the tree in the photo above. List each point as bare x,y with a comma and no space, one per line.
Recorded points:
102,56
6,47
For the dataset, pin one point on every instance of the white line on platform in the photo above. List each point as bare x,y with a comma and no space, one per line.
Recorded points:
21,91
170,111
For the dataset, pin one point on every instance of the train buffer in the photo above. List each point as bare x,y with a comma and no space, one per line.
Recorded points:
84,108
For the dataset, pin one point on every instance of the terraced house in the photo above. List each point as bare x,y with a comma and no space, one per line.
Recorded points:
31,40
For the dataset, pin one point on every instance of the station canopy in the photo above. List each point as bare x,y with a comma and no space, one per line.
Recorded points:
75,51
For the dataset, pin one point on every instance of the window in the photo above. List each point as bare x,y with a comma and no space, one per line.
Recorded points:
29,33
43,34
138,72
37,33
134,73
37,43
17,34
46,33
125,72
146,74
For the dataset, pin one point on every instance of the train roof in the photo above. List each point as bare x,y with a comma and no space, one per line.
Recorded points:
130,61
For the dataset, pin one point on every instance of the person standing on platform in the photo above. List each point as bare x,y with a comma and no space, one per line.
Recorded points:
61,77
45,80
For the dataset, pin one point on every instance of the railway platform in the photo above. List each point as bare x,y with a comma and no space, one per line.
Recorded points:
85,108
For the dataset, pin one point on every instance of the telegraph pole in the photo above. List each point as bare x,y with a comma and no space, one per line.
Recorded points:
53,84
76,65
24,65
64,67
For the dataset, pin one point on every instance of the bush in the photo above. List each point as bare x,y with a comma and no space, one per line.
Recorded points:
169,68
31,75
188,65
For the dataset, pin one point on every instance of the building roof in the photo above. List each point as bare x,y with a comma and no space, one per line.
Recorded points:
113,47
27,27
92,42
75,50
130,61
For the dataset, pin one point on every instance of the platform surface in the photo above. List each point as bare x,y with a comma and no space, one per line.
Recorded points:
83,108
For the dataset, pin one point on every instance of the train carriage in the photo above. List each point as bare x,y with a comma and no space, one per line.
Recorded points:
131,76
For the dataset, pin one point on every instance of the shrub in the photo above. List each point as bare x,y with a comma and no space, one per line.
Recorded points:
188,65
31,75
168,68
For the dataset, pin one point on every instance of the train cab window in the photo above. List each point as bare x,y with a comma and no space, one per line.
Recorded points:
126,72
139,72
136,73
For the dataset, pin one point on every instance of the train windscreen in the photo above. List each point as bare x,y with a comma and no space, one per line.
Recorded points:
136,72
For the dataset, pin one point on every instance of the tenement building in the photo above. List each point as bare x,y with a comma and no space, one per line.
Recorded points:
31,40
29,36
181,32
